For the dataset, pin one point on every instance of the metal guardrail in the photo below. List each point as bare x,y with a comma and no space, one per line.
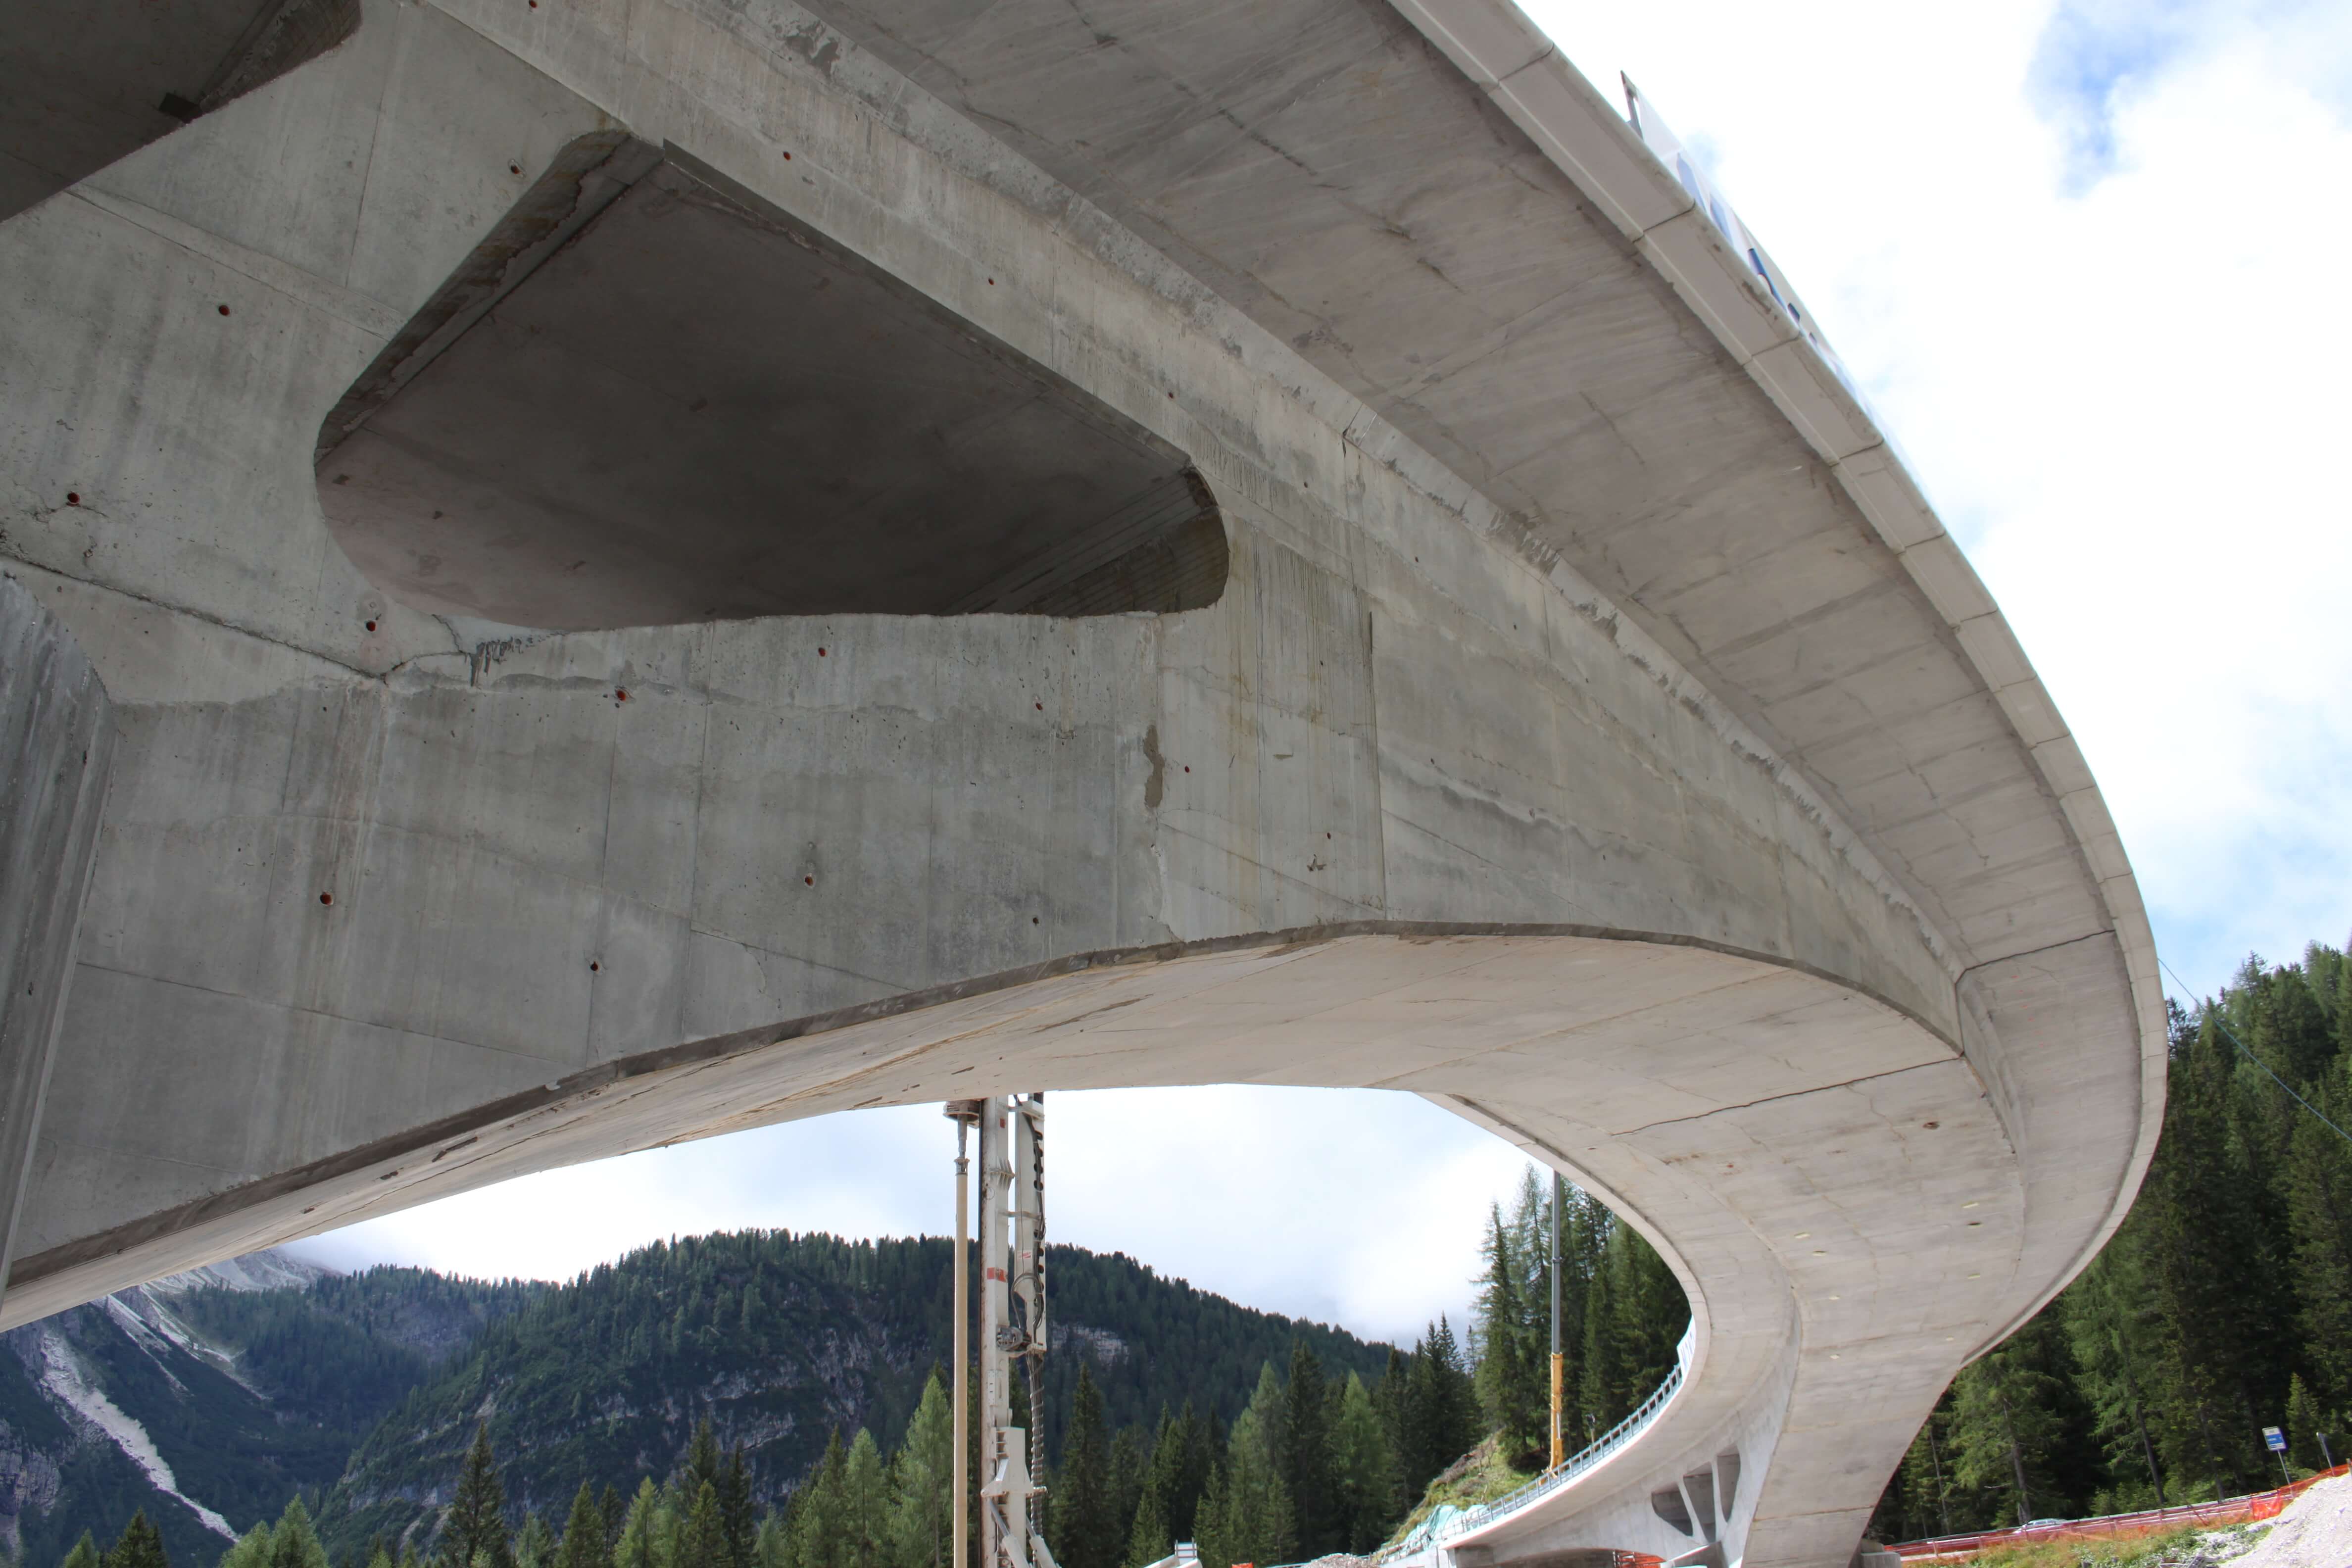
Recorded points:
1448,1524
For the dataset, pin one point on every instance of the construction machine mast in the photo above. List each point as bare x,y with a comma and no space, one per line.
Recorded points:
1012,1332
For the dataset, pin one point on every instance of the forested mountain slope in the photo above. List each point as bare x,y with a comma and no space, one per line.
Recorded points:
781,1342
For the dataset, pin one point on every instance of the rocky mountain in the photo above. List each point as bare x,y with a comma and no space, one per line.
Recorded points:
209,1398
206,1398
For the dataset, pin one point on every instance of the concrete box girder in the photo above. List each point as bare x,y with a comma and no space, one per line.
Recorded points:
1564,746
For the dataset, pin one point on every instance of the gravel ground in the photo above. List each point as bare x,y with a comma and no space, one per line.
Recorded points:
2316,1531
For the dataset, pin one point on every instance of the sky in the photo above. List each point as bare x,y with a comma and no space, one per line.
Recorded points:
2083,259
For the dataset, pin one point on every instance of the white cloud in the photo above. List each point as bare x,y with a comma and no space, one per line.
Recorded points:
2119,374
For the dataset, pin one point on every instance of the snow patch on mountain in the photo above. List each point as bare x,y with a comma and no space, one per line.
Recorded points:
61,1375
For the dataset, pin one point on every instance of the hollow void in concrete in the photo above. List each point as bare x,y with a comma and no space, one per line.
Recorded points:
649,398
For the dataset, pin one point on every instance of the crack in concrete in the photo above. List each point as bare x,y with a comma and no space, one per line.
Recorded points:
17,563
1771,1098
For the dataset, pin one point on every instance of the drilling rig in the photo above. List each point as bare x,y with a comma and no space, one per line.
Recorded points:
1012,1332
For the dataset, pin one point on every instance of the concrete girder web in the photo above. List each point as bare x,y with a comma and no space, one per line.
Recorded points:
1562,744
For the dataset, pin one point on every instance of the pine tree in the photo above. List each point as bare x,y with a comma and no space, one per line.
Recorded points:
475,1524
584,1534
84,1554
1084,1530
141,1546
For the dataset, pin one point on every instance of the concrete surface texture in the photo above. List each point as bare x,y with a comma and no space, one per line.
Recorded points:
57,744
1579,718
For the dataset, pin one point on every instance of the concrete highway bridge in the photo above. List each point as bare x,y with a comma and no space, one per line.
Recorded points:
585,573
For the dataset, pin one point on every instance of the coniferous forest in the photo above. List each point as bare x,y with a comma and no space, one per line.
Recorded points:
625,1420
2221,1306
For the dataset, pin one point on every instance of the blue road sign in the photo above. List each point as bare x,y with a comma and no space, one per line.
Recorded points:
2275,1438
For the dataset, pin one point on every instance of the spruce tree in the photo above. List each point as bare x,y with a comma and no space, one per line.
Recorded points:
1149,1539
865,1515
1084,1530
702,1465
1128,1462
534,1544
293,1544
2304,1425
1388,1402
1245,1514
141,1546
640,1545
1302,1453
736,1516
921,1521
702,1536
614,1509
2319,1176
2106,1315
475,1524
1203,1440
1364,1473
2006,1429
1441,1410
1214,1533
85,1554
1510,1378
2205,1248
584,1534
817,1536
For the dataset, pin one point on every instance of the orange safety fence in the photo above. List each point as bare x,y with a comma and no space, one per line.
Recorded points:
2251,1508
